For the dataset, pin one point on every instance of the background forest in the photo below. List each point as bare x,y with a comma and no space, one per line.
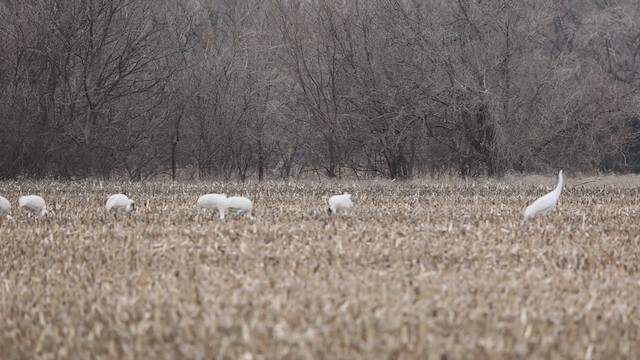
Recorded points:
238,89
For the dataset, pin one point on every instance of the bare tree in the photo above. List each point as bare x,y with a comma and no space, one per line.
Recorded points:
313,59
259,88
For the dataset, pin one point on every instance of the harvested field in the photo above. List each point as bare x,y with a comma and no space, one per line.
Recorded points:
416,270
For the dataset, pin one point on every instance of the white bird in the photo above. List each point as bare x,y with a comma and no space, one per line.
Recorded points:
240,204
546,203
120,202
5,209
34,204
340,203
213,201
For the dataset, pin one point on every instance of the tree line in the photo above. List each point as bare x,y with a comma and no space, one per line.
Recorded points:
241,89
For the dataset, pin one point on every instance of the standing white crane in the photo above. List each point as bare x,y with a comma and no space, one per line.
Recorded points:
213,201
5,209
340,203
120,202
34,204
240,204
546,203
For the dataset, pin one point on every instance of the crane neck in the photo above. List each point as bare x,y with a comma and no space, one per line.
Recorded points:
560,182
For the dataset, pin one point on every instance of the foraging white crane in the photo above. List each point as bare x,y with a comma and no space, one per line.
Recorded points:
5,209
120,202
213,201
240,204
546,203
34,204
340,202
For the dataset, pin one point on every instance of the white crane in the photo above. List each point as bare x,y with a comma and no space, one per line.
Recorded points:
34,204
120,202
546,203
5,209
214,202
240,204
340,203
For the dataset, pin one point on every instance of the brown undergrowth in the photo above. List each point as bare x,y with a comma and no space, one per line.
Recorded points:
415,270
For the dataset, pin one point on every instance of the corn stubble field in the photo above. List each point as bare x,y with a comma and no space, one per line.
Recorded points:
444,269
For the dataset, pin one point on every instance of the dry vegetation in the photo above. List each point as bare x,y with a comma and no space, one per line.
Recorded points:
417,270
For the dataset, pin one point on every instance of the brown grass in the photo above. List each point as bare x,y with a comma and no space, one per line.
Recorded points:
416,270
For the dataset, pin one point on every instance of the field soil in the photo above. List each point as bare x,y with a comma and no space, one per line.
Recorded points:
441,269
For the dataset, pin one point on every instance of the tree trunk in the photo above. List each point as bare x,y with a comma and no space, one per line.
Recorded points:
260,161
